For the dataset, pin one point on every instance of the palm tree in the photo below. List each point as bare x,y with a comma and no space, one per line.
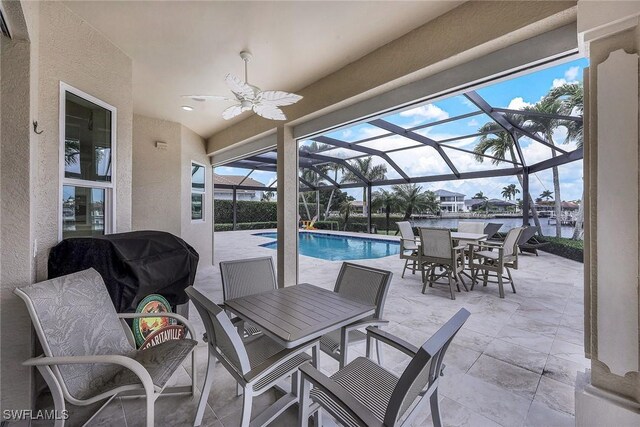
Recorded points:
411,198
479,195
372,172
506,192
267,196
499,142
311,176
345,209
335,168
385,200
546,195
545,126
571,95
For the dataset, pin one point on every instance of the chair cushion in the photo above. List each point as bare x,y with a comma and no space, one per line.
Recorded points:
330,342
74,316
161,361
368,382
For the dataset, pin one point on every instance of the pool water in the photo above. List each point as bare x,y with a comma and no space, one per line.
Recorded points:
334,247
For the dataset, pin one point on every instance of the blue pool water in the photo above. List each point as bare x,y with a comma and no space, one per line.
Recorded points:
339,248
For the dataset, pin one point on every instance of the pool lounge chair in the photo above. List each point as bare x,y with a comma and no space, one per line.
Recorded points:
528,241
491,229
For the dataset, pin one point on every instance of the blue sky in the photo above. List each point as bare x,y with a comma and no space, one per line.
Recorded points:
514,93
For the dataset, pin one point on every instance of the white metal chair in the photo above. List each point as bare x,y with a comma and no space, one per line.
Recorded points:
256,363
497,258
409,248
247,277
366,285
438,251
89,356
365,394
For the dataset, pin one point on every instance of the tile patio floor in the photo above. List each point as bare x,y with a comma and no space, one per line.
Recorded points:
514,363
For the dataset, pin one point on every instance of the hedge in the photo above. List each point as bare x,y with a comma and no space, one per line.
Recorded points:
378,221
253,211
246,226
566,248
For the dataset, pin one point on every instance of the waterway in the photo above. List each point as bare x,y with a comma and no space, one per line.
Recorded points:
507,224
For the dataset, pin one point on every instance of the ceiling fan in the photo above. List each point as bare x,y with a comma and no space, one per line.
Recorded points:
264,103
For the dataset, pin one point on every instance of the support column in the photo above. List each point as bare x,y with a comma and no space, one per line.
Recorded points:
611,40
369,208
287,207
234,206
525,197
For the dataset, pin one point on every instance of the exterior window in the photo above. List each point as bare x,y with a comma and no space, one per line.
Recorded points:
87,161
198,190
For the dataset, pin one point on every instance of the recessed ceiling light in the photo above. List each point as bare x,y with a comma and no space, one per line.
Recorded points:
187,108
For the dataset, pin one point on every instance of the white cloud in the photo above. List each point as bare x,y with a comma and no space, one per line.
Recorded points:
518,103
570,76
571,73
473,123
428,111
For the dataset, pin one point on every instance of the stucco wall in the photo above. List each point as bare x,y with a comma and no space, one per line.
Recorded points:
155,201
198,234
15,218
73,52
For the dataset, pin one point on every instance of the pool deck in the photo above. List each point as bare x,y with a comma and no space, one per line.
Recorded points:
514,363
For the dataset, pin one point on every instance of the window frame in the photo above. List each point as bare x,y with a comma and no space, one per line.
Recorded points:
109,187
203,192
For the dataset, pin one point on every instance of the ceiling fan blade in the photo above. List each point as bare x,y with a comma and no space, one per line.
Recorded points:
231,112
203,98
269,112
240,88
278,97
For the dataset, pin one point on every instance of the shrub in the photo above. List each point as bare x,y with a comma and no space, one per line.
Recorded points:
566,248
253,211
246,226
327,225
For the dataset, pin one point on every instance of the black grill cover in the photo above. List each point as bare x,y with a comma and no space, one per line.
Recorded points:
133,265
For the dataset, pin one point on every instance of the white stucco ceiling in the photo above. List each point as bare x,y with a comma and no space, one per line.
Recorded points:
182,48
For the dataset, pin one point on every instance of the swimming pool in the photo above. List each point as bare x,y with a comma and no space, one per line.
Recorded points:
335,247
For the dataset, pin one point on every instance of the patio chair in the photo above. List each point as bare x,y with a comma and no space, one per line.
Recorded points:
368,286
257,364
409,248
89,355
247,277
497,258
528,241
491,229
365,394
475,227
438,252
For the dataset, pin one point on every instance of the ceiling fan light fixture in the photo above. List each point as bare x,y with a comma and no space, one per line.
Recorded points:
264,103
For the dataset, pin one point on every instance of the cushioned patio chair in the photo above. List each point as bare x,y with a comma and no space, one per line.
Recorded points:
89,356
496,258
409,248
437,251
529,242
247,277
365,285
257,363
365,394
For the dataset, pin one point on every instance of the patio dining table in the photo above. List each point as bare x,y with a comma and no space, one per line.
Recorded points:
297,314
